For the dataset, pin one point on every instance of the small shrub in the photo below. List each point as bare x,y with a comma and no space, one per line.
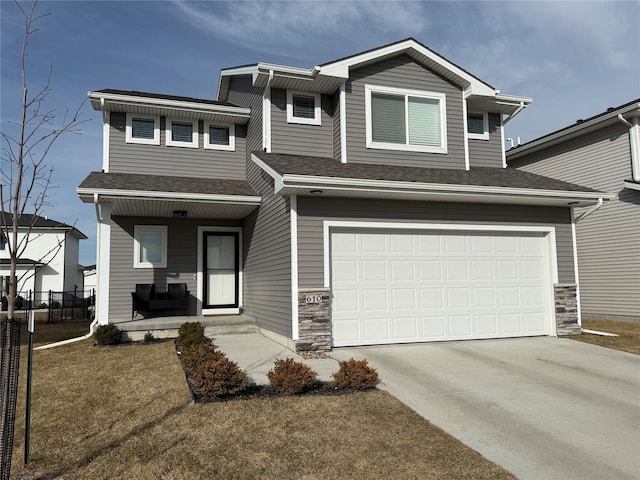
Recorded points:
355,374
217,376
196,354
191,333
149,338
55,305
43,305
289,377
108,335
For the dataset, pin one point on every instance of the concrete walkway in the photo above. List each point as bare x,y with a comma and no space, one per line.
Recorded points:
255,355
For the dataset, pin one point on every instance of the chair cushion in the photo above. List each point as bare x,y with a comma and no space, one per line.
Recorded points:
145,291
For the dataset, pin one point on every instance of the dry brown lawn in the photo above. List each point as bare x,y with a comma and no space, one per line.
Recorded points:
125,412
628,339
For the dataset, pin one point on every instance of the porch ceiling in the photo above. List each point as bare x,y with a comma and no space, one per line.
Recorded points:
154,207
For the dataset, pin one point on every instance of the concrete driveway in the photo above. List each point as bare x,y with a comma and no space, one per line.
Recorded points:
543,408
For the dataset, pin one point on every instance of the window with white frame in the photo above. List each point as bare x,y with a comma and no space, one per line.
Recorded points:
219,136
182,133
303,108
412,120
150,246
478,125
143,129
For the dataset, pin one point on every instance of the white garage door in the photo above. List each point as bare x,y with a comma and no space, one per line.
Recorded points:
403,286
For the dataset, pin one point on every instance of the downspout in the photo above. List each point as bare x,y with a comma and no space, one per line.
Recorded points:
634,139
583,215
518,110
266,114
94,323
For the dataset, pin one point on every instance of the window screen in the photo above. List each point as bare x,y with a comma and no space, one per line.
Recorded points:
142,128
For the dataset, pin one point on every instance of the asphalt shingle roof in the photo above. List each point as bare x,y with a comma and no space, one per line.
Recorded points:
478,176
162,183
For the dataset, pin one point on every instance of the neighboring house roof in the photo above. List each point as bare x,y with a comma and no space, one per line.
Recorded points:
161,195
299,174
628,111
326,78
21,262
36,222
146,103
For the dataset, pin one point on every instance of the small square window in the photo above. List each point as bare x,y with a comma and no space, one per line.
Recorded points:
143,129
303,108
478,125
182,133
219,137
150,246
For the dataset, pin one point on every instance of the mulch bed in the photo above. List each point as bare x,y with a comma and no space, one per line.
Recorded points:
264,391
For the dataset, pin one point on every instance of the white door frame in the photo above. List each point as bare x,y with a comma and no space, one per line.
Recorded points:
200,274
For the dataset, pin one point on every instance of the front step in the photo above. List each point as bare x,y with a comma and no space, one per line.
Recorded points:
167,327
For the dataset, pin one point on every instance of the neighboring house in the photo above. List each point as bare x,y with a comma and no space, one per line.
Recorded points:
49,261
362,201
89,273
601,152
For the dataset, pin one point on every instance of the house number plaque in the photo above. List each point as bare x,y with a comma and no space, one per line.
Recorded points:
313,298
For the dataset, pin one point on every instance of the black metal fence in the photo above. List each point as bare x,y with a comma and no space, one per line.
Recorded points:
56,306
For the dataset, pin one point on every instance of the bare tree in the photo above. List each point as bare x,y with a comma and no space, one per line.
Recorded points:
25,181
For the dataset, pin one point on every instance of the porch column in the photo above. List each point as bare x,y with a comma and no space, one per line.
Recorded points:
103,259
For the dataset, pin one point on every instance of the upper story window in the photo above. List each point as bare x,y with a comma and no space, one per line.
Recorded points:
150,246
219,137
410,120
303,108
182,133
143,129
478,125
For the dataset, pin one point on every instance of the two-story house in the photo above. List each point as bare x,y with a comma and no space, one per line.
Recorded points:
362,201
601,152
49,260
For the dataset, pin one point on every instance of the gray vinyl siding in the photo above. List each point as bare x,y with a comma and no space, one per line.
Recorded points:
337,146
608,255
182,258
177,161
267,243
402,72
487,153
313,211
300,139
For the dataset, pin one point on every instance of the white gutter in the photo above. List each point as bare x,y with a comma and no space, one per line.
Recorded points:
151,195
634,139
583,215
335,183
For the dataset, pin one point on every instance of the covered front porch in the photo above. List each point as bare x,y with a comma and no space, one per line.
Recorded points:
159,231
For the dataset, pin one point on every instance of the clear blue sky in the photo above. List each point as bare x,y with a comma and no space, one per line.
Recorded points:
574,58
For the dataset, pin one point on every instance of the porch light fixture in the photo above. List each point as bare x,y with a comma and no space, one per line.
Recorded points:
315,192
179,213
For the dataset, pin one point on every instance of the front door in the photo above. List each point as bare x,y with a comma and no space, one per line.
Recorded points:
220,270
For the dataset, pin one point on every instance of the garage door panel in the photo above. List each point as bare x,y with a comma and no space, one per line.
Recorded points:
405,329
374,300
421,286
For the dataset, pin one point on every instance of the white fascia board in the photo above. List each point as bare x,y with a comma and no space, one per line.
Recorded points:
504,99
332,183
181,105
168,196
341,67
574,131
281,70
